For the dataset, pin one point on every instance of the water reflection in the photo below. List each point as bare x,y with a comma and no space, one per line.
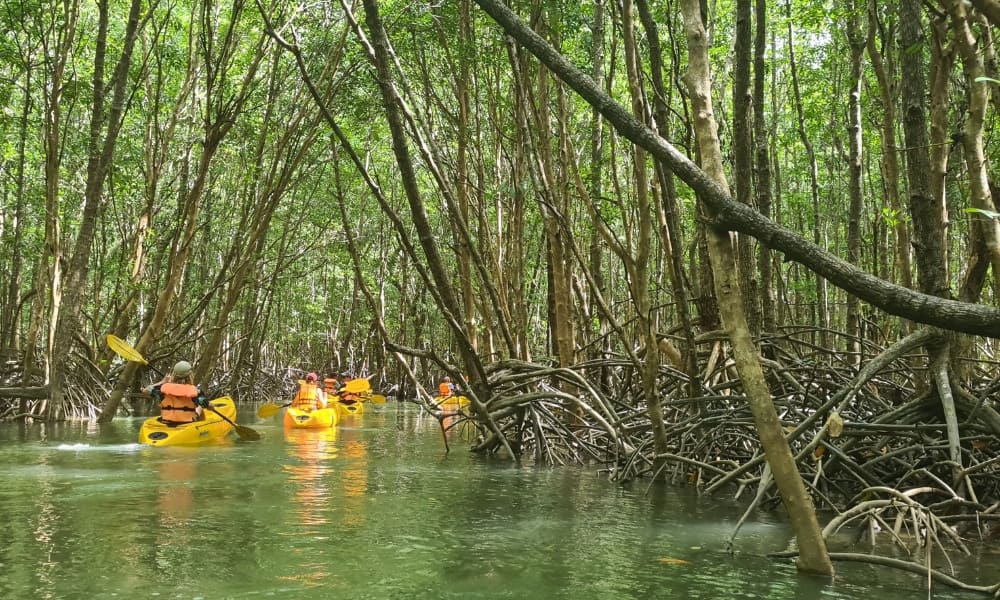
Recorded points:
378,511
309,451
47,527
175,500
353,477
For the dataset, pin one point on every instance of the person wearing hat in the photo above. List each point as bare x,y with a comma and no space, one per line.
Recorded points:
181,401
446,388
309,395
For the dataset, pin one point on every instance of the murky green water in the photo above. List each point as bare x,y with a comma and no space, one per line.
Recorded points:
373,509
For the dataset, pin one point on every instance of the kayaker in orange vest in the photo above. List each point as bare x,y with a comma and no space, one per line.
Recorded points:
309,396
446,388
330,386
180,399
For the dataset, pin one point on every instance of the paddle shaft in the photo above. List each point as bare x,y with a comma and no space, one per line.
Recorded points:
243,432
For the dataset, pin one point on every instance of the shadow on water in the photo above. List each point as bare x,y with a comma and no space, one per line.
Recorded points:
374,509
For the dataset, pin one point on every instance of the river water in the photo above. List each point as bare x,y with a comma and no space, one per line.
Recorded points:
375,509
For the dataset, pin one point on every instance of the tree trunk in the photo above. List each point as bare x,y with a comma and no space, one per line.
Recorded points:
462,177
637,267
101,149
743,161
220,116
856,41
445,291
978,92
47,283
882,66
672,239
762,167
822,312
813,556
925,174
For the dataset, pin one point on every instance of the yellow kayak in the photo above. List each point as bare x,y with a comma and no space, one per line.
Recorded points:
347,409
310,419
211,428
451,402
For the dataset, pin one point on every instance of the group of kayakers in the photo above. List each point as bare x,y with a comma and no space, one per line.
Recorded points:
181,401
310,396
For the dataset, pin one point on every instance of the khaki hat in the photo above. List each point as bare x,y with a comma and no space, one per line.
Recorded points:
181,369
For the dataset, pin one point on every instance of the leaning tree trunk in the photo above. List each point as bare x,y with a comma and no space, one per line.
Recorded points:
445,293
813,556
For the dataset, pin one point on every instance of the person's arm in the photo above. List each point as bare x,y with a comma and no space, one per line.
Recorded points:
153,389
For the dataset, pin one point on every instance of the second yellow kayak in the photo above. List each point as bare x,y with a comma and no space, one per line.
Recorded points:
310,419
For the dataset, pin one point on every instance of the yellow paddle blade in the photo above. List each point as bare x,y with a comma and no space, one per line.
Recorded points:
376,398
357,386
124,350
267,411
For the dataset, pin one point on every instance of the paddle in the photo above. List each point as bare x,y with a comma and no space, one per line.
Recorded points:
268,410
363,389
124,350
357,386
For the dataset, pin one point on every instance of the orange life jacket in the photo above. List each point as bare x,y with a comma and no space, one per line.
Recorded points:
177,405
444,389
330,385
307,398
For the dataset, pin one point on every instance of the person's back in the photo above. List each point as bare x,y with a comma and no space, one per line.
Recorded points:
446,388
330,386
309,396
180,400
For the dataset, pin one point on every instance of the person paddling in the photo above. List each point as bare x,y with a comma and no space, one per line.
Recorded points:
309,396
181,401
446,388
330,387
